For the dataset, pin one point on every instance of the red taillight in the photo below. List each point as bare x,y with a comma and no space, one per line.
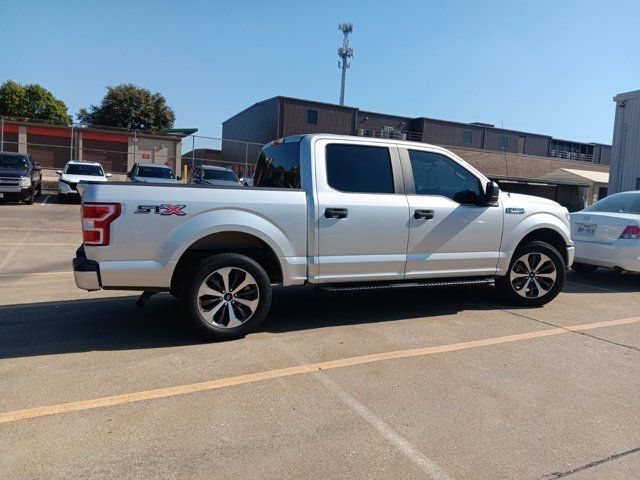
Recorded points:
96,221
631,232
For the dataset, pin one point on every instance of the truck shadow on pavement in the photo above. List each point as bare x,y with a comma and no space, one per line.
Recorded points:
117,324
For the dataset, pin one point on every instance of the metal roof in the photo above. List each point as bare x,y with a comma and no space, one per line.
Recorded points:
576,177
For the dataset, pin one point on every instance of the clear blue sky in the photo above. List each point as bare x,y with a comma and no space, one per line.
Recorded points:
549,67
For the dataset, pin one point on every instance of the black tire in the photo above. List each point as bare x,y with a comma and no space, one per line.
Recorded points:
39,190
583,267
518,296
62,198
207,269
29,199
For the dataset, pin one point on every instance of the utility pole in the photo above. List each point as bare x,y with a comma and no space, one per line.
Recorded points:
344,52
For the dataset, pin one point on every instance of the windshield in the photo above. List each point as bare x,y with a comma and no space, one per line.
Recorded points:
80,169
155,172
16,162
618,203
227,175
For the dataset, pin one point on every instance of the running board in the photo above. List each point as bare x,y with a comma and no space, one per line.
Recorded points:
422,283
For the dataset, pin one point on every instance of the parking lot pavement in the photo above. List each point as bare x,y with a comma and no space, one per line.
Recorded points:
446,384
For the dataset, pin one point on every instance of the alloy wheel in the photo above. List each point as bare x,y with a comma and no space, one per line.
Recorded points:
228,297
533,275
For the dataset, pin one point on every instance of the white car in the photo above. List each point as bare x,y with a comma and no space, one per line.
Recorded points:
607,234
76,171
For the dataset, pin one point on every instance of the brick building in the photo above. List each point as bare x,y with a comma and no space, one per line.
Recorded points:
52,146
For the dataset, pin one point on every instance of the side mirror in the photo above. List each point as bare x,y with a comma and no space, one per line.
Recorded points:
59,172
108,175
492,194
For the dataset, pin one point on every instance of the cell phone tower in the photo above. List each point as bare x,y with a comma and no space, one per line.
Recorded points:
345,52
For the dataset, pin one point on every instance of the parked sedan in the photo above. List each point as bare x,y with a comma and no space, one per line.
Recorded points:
152,173
210,175
607,234
20,177
76,171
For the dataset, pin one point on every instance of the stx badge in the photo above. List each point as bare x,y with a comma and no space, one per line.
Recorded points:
164,209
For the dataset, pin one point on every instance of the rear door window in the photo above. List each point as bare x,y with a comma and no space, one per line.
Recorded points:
359,168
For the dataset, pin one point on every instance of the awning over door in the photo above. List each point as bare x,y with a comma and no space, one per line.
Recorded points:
570,176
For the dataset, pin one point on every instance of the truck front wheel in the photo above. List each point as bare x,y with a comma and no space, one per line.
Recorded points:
536,275
226,296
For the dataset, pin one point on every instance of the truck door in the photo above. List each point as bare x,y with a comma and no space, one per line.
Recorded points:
450,233
361,212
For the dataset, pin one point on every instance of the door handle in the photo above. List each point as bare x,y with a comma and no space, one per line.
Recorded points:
423,214
335,212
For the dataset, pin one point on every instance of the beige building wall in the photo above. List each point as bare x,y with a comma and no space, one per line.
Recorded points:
22,139
153,150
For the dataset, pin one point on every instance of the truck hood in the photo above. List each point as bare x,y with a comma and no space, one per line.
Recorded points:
82,178
13,172
519,200
220,182
154,180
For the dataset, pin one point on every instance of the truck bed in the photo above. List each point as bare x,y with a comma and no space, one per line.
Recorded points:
156,225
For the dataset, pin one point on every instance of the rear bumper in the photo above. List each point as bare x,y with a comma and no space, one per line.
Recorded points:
86,272
623,254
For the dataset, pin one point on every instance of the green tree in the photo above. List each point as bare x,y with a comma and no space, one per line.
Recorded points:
128,106
32,101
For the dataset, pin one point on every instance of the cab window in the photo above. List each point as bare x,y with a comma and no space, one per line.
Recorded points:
436,174
278,166
359,168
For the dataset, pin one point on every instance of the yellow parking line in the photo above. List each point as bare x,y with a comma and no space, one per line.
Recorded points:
113,400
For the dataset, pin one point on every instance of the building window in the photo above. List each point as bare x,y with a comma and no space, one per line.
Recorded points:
312,117
467,138
504,142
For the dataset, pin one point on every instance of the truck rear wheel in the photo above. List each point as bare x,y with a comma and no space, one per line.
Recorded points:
226,296
536,275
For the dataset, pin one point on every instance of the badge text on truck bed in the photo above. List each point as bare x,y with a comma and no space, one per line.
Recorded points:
164,209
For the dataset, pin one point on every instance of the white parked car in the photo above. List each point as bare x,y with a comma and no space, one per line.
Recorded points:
76,171
607,234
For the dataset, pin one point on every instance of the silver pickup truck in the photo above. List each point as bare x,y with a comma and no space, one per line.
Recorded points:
335,211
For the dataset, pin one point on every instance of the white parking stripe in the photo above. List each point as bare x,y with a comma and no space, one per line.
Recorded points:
46,199
403,445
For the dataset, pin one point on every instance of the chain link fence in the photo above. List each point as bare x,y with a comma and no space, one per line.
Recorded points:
52,146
